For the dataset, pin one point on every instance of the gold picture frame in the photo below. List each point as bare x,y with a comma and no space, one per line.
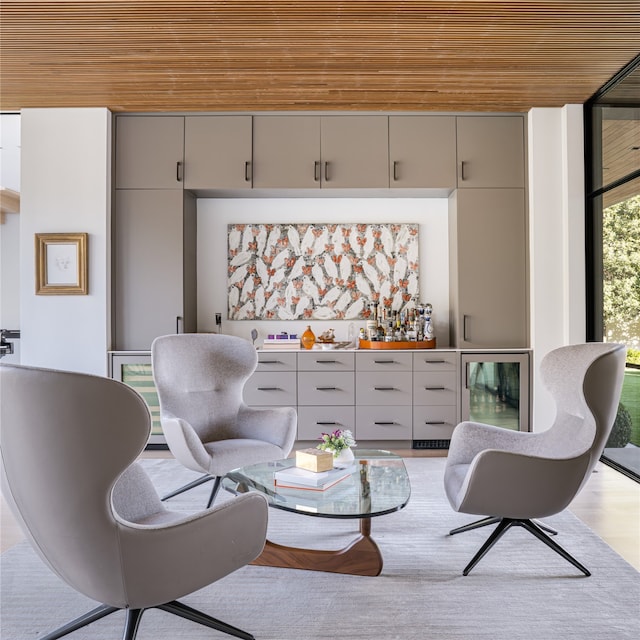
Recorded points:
61,264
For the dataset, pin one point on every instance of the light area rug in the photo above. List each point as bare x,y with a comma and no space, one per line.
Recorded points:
521,589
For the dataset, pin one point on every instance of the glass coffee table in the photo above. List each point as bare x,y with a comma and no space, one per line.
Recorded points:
378,485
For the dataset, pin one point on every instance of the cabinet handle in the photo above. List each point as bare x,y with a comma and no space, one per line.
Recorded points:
384,388
326,172
326,388
435,422
434,388
435,361
178,324
270,362
384,361
462,175
179,171
464,327
326,361
269,389
395,169
316,171
327,424
384,423
247,171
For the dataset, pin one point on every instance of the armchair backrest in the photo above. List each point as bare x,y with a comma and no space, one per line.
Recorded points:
200,378
65,439
585,381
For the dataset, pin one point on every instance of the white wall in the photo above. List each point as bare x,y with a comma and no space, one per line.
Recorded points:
215,214
65,187
10,230
556,229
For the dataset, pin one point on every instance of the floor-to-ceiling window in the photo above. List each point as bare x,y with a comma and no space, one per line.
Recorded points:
612,120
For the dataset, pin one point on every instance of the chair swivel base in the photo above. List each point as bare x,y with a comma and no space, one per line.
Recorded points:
494,520
133,620
504,524
197,483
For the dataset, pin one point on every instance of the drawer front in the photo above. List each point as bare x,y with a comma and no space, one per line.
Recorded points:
433,423
434,388
384,361
314,421
326,361
271,389
383,389
435,361
320,388
276,361
383,423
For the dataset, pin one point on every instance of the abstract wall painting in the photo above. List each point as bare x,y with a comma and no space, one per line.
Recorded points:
320,271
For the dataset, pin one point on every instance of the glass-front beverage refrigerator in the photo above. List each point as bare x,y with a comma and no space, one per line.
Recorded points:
496,388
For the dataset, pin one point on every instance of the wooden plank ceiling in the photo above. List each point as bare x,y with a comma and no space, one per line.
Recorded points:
365,55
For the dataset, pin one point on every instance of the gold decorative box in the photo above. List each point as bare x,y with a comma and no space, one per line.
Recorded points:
314,460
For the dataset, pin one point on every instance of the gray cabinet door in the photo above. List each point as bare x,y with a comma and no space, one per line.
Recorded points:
422,152
490,151
355,152
148,261
149,152
286,152
488,282
217,152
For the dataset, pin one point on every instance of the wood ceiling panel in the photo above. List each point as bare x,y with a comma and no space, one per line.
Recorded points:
170,55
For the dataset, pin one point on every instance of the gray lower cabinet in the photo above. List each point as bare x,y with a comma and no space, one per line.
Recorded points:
435,398
155,268
488,269
274,383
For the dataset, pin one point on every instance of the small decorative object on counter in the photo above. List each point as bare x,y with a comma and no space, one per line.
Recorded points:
308,338
327,336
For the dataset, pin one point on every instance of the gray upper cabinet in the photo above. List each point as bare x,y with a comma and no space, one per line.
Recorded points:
217,152
312,152
286,152
355,152
490,151
149,152
155,268
488,275
422,152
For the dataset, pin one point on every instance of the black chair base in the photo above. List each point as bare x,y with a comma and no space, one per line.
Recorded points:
504,524
133,620
197,483
494,520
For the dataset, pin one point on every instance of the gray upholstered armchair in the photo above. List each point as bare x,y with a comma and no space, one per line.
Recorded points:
68,445
514,478
209,429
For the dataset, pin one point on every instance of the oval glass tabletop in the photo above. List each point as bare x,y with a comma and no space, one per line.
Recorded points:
378,484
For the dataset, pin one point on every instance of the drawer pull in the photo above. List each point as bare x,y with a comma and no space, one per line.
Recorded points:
269,389
385,389
327,424
326,388
434,388
326,361
435,361
435,422
270,362
385,361
384,423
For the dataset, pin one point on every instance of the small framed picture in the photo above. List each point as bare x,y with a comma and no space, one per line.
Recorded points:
61,264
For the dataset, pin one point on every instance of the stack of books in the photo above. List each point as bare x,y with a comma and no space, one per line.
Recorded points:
297,478
281,341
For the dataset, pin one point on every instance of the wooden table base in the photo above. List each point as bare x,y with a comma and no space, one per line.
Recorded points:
360,558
